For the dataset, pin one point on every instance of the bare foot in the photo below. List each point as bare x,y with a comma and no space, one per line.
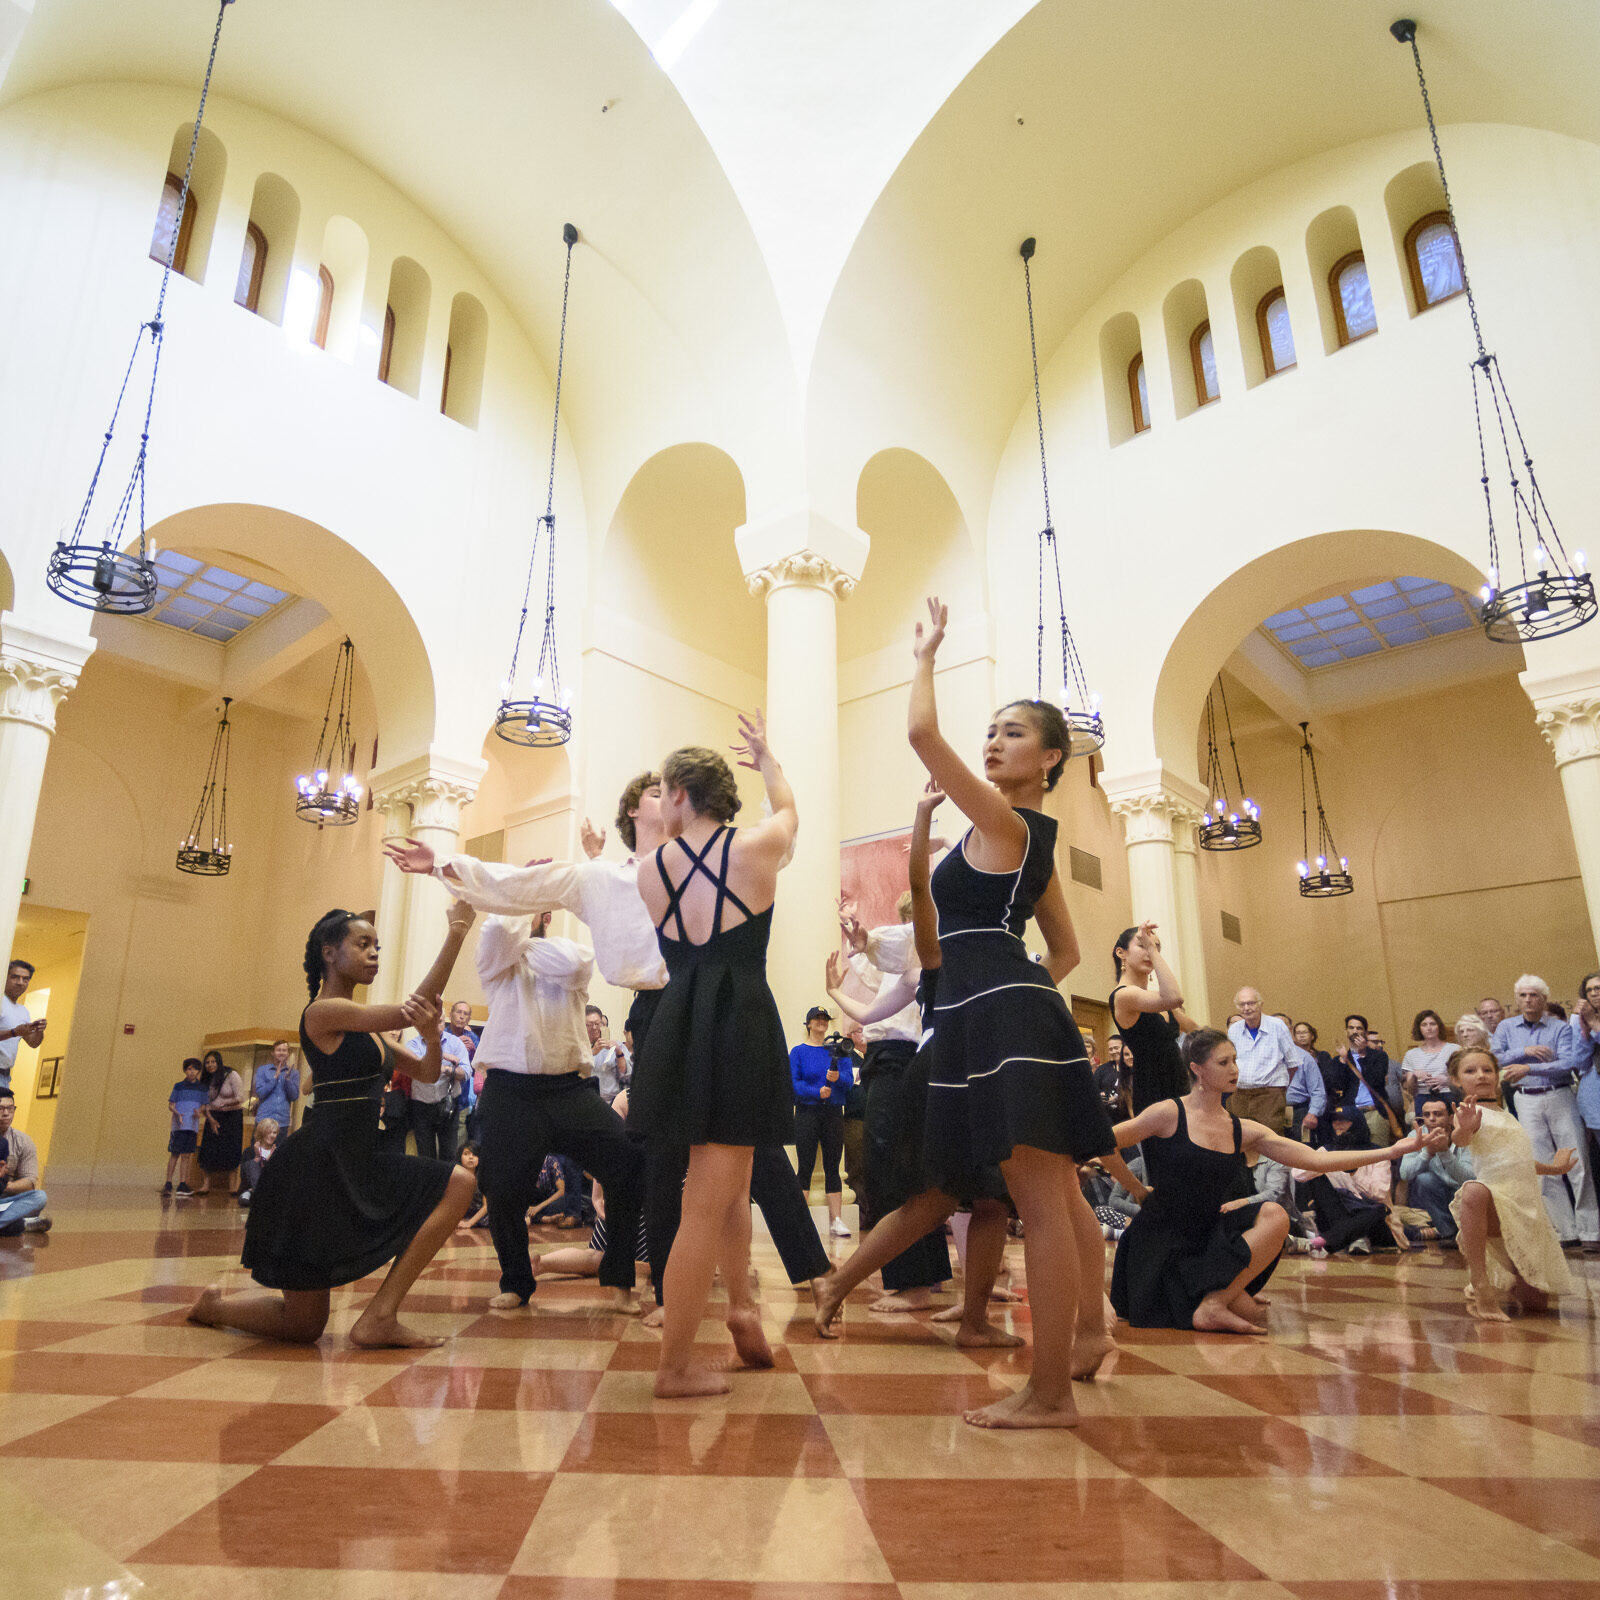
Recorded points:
1213,1317
829,1303
1109,1313
1248,1307
1484,1305
389,1333
693,1381
207,1310
1089,1349
986,1334
1024,1410
744,1323
950,1314
653,1318
507,1302
911,1300
625,1301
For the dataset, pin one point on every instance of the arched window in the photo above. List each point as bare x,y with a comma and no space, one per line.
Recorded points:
167,224
386,352
1139,394
1203,357
1352,298
252,264
1434,260
1277,337
319,334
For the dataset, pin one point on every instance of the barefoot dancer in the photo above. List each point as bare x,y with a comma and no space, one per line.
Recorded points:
1192,1258
1505,1234
714,1074
331,1206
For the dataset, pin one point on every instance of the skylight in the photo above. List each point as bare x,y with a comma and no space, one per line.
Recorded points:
209,601
1382,616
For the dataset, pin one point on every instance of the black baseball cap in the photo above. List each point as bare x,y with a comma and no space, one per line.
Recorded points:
818,1011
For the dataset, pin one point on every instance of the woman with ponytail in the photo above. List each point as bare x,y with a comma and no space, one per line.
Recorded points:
332,1206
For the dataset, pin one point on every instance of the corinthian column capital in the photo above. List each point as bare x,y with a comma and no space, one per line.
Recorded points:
1571,727
37,672
801,569
1154,810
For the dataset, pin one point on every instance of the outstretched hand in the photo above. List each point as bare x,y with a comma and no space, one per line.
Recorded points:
928,641
423,1013
592,839
833,972
1562,1162
1469,1117
410,855
752,747
932,798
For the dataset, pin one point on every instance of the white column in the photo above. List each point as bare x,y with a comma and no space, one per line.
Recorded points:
394,897
37,672
1570,724
1191,944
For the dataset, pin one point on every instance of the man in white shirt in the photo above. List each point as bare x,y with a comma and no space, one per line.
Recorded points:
1266,1063
611,1069
431,1109
16,1026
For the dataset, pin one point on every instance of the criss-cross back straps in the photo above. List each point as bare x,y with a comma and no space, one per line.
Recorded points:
718,879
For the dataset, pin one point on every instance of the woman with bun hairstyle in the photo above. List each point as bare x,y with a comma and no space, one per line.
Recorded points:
1149,1021
331,1206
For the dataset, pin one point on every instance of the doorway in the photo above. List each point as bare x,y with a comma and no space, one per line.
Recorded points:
52,940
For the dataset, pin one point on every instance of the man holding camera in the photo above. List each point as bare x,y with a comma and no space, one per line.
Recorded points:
823,1075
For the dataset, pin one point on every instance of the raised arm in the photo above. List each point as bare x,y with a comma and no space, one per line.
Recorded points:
775,833
1166,996
983,805
892,997
919,868
326,1019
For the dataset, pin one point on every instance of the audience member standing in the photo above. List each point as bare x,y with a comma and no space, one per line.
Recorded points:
1426,1065
1371,1063
1584,1029
432,1115
822,1079
1490,1013
16,1027
222,1137
1266,1063
1538,1055
1308,1094
611,1068
21,1197
277,1087
187,1105
459,1027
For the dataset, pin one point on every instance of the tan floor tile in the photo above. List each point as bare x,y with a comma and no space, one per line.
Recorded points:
123,1505
795,1530
1512,1393
132,1339
940,1360
752,1391
440,1323
1156,1397
22,1414
111,1313
47,1558
946,1447
327,1383
1094,1591
1242,1357
288,1583
564,1355
1560,1358
1301,1528
1460,1447
441,1441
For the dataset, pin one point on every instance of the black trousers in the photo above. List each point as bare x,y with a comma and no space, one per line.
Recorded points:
433,1127
927,1262
525,1117
818,1125
773,1190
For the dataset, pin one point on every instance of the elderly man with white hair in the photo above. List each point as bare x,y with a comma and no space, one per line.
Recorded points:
1537,1058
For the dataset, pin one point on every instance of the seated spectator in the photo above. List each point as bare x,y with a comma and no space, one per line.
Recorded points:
21,1198
1433,1175
258,1155
1351,1208
1426,1065
478,1212
276,1086
559,1194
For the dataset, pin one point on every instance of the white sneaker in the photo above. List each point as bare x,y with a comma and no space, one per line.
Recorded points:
1361,1247
838,1229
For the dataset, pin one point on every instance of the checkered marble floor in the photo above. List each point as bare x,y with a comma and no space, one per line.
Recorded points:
1379,1444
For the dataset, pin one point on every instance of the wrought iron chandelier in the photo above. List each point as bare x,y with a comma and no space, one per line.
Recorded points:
1085,727
1557,594
330,794
1226,826
105,577
1318,880
544,716
211,814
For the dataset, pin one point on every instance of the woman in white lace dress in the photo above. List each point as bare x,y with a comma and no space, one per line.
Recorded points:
1505,1234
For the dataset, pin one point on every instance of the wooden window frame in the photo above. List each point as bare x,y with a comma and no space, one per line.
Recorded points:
1201,398
1141,418
180,256
1340,326
1264,333
258,267
1414,263
444,392
319,334
386,349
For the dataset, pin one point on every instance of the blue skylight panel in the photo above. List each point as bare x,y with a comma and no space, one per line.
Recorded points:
251,608
262,591
1305,647
223,578
1383,608
1281,619
176,562
1360,647
1439,610
1295,630
1325,608
1322,658
1374,591
206,591
1349,636
1449,624
212,630
1337,620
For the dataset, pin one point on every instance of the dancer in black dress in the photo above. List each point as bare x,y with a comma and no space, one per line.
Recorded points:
1193,1257
713,1073
1150,1023
331,1205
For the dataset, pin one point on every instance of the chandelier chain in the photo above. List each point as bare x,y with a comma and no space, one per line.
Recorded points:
561,361
1227,715
1038,403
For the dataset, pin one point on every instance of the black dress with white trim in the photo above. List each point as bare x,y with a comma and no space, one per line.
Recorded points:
1009,1067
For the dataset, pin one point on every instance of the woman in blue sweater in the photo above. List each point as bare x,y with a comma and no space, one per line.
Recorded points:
821,1082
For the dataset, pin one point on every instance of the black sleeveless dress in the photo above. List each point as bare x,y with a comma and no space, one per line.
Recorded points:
1008,1065
331,1206
714,1068
1182,1245
1158,1069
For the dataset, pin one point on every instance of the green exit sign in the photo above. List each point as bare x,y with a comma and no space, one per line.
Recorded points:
27,883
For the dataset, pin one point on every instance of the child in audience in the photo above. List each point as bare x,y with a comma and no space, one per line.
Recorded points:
265,1142
1506,1234
478,1213
187,1103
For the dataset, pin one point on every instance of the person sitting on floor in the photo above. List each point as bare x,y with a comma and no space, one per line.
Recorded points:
21,1198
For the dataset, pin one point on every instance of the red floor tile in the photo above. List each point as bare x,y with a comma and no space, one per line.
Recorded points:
31,1335
1567,1509
687,1589
134,1429
58,1372
1221,1447
547,1323
642,1355
1586,1430
734,1444
1341,1394
900,1394
1404,1358
393,1519
1399,1589
464,1388
1022,1530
